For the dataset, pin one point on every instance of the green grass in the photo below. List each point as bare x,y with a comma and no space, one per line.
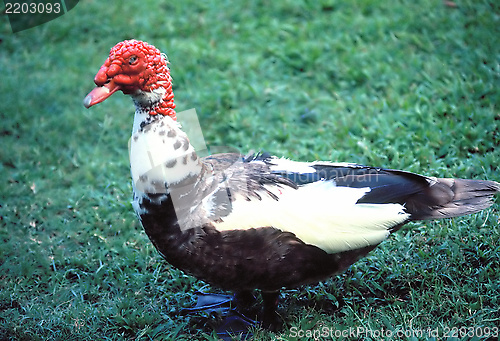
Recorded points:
406,85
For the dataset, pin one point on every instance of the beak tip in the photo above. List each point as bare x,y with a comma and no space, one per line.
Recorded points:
87,101
100,93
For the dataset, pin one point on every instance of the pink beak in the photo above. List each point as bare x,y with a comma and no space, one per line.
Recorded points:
100,93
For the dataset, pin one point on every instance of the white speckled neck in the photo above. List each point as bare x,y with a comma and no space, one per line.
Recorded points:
151,106
141,118
160,155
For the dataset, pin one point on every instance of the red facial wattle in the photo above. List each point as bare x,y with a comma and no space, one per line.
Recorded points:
133,67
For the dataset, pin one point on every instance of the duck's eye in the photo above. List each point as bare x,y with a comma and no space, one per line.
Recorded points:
132,60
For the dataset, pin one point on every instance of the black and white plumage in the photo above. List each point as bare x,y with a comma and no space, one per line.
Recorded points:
260,222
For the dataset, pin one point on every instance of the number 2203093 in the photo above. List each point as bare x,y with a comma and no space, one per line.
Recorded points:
32,8
471,332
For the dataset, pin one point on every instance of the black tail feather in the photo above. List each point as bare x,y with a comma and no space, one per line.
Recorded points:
423,197
446,198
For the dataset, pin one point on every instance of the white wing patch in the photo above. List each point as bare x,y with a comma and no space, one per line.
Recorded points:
320,214
286,165
290,166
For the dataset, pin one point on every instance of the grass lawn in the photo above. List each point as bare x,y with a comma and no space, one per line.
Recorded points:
410,85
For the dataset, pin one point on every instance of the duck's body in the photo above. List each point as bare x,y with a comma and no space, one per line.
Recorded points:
260,222
198,213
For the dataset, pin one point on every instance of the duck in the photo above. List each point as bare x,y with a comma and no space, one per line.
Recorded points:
258,222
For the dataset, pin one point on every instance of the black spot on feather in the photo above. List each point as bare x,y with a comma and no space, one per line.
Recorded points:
171,163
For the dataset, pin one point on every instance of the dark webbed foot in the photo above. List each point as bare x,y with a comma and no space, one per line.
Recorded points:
231,309
235,324
210,303
238,312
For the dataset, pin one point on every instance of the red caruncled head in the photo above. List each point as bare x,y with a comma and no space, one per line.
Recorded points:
137,69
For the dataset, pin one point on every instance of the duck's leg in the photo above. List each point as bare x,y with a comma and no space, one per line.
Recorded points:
234,308
231,309
270,318
239,319
243,302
